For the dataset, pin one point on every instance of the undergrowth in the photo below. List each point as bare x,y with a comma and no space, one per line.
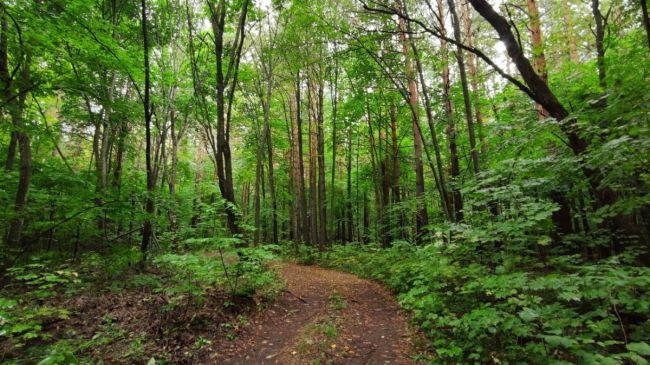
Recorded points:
518,311
106,308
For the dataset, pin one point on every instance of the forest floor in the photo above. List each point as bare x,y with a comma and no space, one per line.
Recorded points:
319,317
323,317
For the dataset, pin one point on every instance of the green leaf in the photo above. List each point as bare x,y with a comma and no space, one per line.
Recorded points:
528,315
641,348
559,341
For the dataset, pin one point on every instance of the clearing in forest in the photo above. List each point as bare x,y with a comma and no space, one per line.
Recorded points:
323,317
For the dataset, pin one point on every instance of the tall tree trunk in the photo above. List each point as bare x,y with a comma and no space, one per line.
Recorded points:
269,150
297,166
223,156
119,156
348,166
646,20
147,229
600,39
334,92
460,59
322,199
171,213
313,159
472,69
376,173
422,218
7,84
11,151
395,155
301,161
537,43
440,180
457,197
16,106
257,204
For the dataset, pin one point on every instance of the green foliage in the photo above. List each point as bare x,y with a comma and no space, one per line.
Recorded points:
577,312
242,271
23,317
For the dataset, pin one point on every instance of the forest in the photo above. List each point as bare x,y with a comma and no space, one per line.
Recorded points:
324,182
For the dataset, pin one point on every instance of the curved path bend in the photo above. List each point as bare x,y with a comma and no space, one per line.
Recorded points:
323,317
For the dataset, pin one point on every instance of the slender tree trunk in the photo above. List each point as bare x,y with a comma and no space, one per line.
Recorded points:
313,160
457,198
376,173
421,215
539,60
11,151
322,199
472,69
16,110
441,180
119,156
7,85
460,58
348,206
173,219
335,95
600,39
269,150
395,155
147,229
646,20
223,156
257,204
301,233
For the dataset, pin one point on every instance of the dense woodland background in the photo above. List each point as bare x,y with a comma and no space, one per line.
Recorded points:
488,161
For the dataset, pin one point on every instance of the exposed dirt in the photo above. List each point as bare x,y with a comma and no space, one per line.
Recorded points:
323,317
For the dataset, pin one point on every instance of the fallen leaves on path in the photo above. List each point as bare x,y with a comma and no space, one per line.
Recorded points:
323,317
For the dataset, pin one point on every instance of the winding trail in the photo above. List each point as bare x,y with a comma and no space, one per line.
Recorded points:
323,317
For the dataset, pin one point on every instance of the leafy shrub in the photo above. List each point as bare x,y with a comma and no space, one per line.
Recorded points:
579,312
23,316
242,271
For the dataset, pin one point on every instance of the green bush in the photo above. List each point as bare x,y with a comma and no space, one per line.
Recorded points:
591,313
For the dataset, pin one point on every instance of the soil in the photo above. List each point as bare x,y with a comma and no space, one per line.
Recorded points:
322,317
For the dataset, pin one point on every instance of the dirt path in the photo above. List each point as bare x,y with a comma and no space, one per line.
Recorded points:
323,317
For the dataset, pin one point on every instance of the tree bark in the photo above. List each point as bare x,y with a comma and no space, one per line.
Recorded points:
472,69
313,159
334,92
457,198
223,157
422,218
467,101
600,39
646,20
537,43
269,150
147,229
441,180
11,151
348,206
300,233
16,105
395,155
322,198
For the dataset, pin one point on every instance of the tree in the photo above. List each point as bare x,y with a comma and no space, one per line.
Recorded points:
226,82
